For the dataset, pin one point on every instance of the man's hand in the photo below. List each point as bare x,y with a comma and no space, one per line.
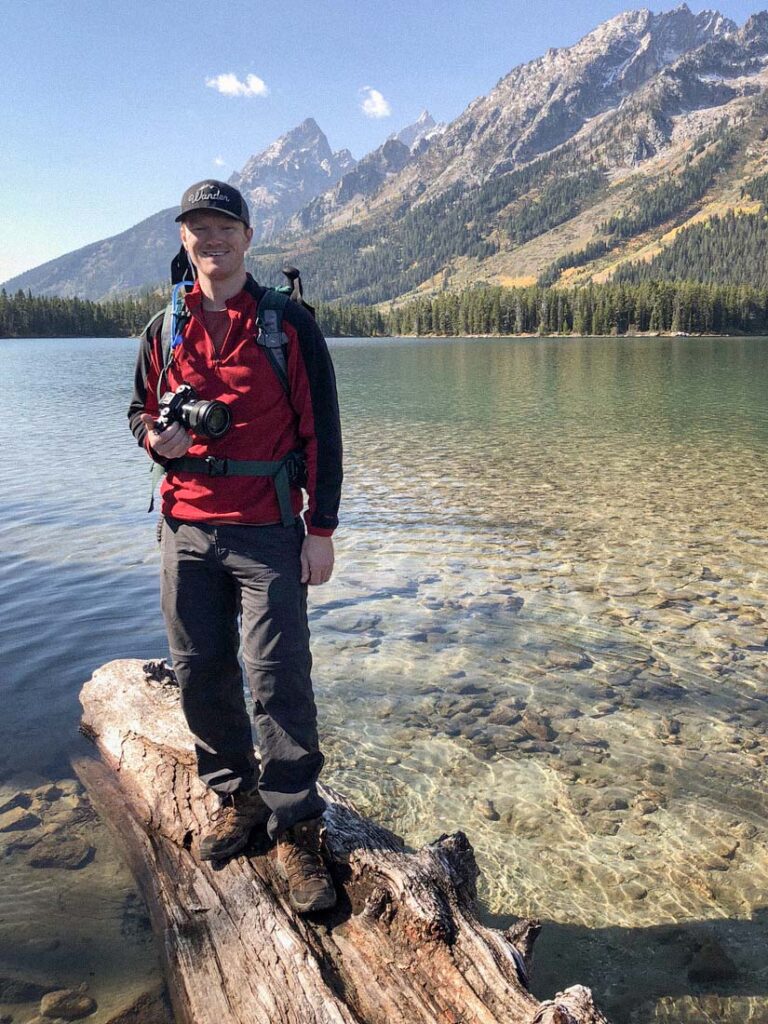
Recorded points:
171,443
316,559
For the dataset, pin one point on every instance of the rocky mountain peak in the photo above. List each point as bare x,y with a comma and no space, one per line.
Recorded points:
678,31
288,174
755,28
305,141
412,135
541,105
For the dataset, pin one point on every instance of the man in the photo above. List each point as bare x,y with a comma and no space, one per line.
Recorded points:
226,551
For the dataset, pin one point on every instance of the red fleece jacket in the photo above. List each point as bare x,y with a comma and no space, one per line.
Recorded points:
266,424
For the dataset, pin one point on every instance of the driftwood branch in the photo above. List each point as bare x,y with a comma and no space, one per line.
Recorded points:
403,945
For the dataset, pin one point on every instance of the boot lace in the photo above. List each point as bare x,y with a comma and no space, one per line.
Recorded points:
302,861
229,813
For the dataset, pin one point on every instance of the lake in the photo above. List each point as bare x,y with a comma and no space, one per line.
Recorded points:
548,627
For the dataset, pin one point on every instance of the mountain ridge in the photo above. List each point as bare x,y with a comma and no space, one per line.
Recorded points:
525,175
278,181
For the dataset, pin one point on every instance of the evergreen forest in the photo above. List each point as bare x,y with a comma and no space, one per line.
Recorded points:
723,250
623,307
26,316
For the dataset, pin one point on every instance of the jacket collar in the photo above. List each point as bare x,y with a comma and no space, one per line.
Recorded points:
251,290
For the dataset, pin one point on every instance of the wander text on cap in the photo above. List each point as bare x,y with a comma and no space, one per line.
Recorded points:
215,195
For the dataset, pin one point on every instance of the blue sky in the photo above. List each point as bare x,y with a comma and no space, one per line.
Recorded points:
109,109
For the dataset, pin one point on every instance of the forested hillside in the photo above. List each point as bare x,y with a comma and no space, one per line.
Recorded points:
397,256
723,250
375,263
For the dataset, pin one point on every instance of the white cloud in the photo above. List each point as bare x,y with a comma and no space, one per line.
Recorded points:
374,104
229,84
220,161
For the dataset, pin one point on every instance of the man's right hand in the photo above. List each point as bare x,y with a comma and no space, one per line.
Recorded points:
171,443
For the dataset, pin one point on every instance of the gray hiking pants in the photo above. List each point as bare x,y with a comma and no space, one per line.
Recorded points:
212,575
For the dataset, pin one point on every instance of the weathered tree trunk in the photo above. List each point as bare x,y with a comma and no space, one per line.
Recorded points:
403,945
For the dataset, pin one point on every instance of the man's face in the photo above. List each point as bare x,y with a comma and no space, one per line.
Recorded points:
216,244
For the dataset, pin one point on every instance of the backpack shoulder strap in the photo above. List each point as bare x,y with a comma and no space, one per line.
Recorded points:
175,319
271,337
166,335
152,325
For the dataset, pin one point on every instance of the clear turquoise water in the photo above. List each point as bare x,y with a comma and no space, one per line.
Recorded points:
573,530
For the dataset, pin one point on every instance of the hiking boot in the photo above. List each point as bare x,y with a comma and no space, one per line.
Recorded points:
299,860
232,825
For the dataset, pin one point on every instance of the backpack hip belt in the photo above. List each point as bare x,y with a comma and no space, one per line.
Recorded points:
291,469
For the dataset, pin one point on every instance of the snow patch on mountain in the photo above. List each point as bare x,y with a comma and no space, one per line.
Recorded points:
423,129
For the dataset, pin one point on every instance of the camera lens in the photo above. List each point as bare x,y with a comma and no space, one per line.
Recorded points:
213,419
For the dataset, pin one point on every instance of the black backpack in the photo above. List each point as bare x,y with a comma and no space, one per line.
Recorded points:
269,319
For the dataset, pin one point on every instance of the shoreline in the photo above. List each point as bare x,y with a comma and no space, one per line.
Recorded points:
534,335
431,337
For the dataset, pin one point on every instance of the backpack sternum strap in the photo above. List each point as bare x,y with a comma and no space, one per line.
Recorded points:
286,471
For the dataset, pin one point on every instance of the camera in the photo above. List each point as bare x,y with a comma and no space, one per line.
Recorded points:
212,419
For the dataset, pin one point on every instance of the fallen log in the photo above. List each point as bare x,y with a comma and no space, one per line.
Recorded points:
402,946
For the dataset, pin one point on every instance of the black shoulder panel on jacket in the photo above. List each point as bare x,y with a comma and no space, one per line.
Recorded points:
325,411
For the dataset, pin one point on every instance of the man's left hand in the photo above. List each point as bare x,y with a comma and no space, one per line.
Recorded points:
316,559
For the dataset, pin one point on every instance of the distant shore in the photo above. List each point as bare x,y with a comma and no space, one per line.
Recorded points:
430,337
534,335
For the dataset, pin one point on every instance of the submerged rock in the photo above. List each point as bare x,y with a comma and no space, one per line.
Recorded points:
577,660
18,819
604,826
21,990
669,727
727,849
634,891
537,726
386,709
484,750
644,805
149,1007
37,947
49,793
610,800
504,715
67,1004
487,810
20,799
25,841
61,851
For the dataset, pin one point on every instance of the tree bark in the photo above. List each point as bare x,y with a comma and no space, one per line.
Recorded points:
402,946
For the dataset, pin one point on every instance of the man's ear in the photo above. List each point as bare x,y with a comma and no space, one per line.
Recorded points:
182,233
248,235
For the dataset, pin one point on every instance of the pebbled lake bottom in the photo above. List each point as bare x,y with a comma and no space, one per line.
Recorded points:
548,628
